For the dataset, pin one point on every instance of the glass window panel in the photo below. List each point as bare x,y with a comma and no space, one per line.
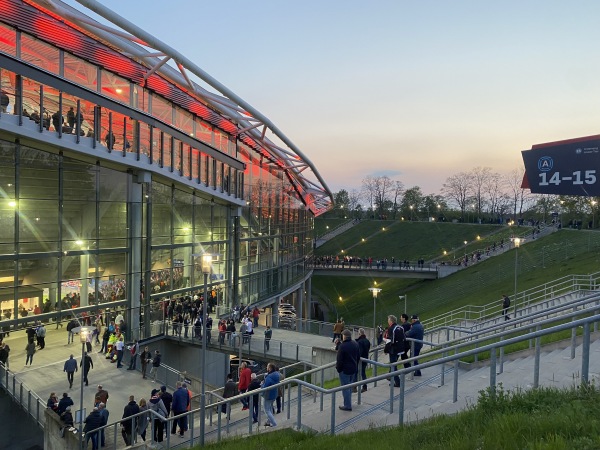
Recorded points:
38,225
167,150
204,132
184,121
8,40
112,284
113,222
79,225
186,161
182,217
31,101
79,180
177,161
142,97
81,72
160,275
144,139
162,110
38,177
8,202
161,214
39,53
115,87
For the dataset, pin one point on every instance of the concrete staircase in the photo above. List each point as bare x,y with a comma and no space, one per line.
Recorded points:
335,232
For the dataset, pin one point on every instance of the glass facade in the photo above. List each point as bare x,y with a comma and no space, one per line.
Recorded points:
82,230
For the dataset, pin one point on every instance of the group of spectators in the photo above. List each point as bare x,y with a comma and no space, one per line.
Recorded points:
400,341
357,262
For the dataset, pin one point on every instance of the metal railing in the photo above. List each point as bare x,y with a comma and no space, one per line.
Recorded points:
22,395
470,314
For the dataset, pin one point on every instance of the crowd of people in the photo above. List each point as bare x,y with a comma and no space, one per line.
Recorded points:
401,340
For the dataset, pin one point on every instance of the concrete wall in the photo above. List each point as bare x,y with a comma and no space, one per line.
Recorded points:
19,431
322,356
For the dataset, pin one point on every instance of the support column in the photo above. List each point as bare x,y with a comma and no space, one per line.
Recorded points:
135,201
300,301
309,305
84,274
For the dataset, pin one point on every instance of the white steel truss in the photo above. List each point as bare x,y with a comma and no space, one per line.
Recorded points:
132,41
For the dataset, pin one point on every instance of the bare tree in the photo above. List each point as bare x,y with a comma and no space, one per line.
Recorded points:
368,191
493,190
383,188
479,177
517,194
398,191
456,190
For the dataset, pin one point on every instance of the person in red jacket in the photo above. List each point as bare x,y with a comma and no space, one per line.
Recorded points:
245,375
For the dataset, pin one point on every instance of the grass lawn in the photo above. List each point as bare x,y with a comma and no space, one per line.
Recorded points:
543,260
545,418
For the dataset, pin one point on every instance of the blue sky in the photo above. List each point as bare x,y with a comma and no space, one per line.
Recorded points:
418,91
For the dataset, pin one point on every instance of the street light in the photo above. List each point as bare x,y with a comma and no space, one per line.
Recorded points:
83,335
517,243
206,266
374,291
593,202
411,210
405,298
465,242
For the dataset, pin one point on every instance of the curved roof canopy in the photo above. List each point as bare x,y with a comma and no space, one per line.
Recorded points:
251,126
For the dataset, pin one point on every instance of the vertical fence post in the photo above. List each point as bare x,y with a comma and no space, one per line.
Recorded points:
585,355
536,363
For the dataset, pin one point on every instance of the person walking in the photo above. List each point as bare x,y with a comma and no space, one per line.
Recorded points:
30,350
104,413
364,346
40,334
268,335
133,349
145,358
348,356
416,332
395,345
244,382
271,379
229,390
254,384
157,405
92,422
181,401
86,364
155,365
505,306
129,425
101,395
70,367
120,345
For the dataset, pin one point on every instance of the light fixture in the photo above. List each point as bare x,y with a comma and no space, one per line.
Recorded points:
79,242
12,203
119,90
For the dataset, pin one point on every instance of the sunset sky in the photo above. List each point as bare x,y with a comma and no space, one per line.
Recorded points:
417,91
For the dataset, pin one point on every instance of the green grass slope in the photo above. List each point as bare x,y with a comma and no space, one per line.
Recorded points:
413,240
545,418
540,261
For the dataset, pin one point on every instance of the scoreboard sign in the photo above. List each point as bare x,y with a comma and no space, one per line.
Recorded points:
564,168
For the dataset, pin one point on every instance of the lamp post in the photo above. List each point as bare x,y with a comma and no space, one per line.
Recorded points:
374,291
206,269
517,243
593,202
83,334
411,210
465,242
405,298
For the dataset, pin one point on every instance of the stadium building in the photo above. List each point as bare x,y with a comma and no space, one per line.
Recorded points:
122,162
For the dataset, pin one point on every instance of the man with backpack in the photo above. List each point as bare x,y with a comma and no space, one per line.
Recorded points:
395,346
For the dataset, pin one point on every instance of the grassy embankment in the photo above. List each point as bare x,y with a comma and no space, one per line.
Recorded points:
546,419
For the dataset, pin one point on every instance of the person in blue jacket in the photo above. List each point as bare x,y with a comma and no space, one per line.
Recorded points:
271,379
416,332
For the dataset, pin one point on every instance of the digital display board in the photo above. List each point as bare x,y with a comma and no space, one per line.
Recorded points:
569,167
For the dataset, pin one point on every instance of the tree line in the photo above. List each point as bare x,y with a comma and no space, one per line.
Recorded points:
479,195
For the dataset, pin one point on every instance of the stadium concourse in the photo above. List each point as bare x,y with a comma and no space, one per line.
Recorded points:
46,374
